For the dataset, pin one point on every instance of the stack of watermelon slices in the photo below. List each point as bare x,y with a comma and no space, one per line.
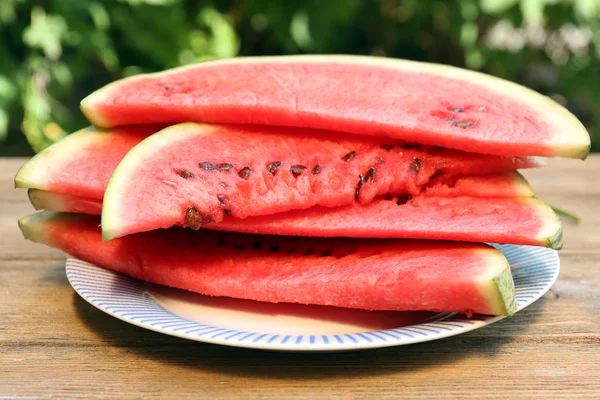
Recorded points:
332,180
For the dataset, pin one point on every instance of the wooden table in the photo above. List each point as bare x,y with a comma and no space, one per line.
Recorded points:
53,344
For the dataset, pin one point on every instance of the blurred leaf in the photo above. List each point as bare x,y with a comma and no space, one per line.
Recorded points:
8,90
151,2
498,6
45,32
533,11
468,34
300,31
99,16
4,120
37,112
587,10
224,42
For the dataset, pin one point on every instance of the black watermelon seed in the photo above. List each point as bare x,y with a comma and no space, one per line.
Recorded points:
224,167
403,200
462,124
273,166
206,219
328,253
387,147
184,173
457,109
207,166
316,170
361,182
240,247
349,156
222,198
411,146
309,252
437,173
388,197
168,89
227,212
297,169
370,175
245,173
415,165
256,245
274,248
193,219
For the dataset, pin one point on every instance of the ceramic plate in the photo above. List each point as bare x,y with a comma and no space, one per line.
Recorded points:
293,327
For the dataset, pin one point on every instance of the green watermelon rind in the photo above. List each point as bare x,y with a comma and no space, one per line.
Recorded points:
33,226
552,233
506,300
568,136
497,285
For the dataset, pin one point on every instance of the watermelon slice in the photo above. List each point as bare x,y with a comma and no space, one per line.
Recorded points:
500,185
366,274
191,174
416,102
525,221
83,162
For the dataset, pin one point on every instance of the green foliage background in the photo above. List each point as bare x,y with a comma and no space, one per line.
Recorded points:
54,52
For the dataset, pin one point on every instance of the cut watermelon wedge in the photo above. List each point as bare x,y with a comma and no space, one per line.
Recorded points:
366,274
192,174
500,185
525,221
416,102
83,162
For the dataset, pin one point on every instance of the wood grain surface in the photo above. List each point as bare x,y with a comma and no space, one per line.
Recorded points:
53,344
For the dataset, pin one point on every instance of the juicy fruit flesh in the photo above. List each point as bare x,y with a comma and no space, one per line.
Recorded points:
416,102
501,185
194,174
368,274
525,221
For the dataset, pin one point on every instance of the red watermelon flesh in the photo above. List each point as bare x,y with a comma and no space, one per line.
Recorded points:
82,163
192,174
525,221
416,102
500,185
366,274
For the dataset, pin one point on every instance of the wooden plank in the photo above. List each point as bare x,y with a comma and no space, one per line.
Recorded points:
54,344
